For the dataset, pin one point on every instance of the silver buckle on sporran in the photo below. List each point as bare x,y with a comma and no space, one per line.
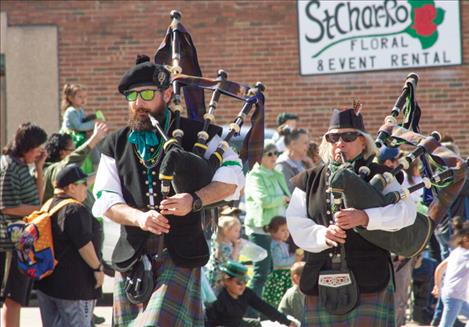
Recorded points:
334,280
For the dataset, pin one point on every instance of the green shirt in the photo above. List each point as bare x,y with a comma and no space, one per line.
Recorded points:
264,192
293,303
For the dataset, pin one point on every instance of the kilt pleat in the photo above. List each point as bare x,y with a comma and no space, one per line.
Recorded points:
176,300
373,310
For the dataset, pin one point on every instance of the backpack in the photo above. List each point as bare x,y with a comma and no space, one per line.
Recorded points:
35,247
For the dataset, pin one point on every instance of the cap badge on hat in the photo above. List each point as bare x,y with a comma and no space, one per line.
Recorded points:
161,77
357,106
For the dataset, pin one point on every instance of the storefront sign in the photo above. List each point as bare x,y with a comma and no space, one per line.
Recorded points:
354,36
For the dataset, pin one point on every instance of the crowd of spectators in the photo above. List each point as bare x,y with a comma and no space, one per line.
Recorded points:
35,169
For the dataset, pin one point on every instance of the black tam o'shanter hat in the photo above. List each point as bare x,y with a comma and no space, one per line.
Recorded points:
145,73
347,118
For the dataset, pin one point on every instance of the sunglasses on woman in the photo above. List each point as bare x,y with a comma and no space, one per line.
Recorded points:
346,137
272,153
146,95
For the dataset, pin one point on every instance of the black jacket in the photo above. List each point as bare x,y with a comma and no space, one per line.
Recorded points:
228,311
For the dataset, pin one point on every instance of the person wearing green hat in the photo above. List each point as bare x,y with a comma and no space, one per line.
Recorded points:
235,298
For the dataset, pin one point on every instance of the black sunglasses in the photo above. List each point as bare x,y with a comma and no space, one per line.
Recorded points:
274,153
346,137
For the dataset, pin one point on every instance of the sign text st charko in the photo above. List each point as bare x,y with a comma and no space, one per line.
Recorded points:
349,36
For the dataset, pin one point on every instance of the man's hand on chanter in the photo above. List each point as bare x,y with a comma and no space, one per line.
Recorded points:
154,222
178,205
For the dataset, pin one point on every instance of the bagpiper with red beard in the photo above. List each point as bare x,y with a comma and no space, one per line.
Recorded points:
129,193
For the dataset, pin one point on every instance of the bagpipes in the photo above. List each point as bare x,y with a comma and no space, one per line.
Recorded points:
188,171
445,183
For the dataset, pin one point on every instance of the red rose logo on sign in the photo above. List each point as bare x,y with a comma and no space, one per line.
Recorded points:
425,19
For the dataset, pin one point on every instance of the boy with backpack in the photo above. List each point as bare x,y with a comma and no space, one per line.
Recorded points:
66,297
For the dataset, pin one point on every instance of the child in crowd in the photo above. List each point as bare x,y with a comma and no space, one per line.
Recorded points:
75,122
235,298
278,281
455,289
225,246
293,302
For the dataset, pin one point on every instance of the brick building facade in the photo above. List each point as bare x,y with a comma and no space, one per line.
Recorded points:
252,41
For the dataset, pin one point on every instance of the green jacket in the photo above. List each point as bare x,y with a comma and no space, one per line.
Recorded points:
52,169
262,202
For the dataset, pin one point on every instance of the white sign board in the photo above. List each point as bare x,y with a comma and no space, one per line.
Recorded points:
354,36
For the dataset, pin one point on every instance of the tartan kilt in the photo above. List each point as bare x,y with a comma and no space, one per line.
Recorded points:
374,309
176,300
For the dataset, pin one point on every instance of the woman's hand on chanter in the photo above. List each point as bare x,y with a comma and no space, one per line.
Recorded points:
349,218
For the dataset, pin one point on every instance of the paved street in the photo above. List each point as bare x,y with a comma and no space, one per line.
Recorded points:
30,317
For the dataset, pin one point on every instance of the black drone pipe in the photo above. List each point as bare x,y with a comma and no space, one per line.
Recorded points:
176,69
202,137
426,146
410,85
235,127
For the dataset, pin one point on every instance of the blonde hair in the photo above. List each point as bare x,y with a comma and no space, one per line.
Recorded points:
69,91
325,148
297,268
226,223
